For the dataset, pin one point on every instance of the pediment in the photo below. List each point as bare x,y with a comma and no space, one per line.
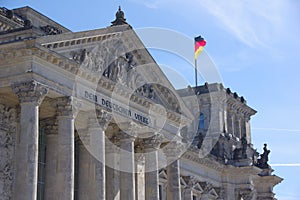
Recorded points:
117,54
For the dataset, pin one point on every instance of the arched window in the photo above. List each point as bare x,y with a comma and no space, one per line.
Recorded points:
201,121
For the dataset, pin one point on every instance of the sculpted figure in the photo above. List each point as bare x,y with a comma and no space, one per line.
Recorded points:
262,162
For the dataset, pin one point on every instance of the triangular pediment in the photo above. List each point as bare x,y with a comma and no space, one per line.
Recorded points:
116,54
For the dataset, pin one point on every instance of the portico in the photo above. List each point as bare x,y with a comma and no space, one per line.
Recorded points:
90,115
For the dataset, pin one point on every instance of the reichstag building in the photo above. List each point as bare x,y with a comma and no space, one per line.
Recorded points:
91,116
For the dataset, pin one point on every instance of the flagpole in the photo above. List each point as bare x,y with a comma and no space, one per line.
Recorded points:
196,71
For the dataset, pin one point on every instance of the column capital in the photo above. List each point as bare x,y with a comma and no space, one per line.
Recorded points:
122,136
103,117
30,91
67,106
152,143
174,149
51,125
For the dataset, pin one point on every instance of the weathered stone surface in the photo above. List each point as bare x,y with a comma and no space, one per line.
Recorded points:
7,151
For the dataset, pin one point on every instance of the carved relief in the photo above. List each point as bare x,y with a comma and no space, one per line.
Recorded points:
30,91
113,60
7,154
245,194
51,30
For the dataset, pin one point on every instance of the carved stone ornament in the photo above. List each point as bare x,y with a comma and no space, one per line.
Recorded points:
262,162
51,30
174,149
120,19
67,106
245,194
153,142
31,91
103,118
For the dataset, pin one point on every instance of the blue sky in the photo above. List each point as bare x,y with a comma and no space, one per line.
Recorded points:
253,43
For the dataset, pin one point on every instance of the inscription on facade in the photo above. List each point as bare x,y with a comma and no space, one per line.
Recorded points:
101,100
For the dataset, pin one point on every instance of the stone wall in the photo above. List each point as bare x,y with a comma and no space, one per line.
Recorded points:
8,123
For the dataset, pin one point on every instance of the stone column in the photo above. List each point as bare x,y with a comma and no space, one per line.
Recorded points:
66,153
225,120
30,95
188,193
111,172
96,132
230,128
51,155
151,146
248,129
140,171
83,172
127,175
173,171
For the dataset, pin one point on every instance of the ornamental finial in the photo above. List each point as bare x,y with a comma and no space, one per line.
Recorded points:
120,19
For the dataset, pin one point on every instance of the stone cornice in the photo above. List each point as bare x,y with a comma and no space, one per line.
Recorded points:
21,50
67,43
194,156
209,162
242,108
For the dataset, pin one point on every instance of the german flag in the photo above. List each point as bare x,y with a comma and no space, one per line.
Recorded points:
199,45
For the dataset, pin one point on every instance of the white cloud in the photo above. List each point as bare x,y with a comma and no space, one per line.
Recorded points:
253,22
286,165
149,3
277,129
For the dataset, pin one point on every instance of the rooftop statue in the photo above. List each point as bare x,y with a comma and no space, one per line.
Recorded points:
120,19
262,162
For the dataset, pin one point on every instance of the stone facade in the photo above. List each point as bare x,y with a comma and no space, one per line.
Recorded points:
8,134
81,119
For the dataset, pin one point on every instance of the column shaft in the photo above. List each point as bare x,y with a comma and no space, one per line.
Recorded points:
188,194
50,175
111,174
151,146
30,95
97,147
173,187
127,175
65,160
140,177
27,153
83,173
151,177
